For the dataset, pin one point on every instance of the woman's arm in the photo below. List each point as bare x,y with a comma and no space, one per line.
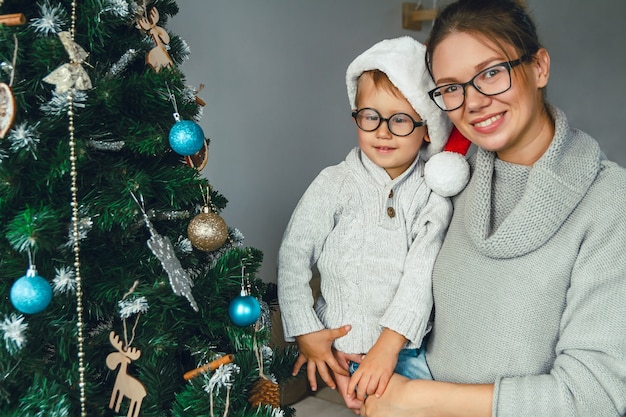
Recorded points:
420,398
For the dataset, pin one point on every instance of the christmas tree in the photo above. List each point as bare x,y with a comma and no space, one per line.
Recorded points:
124,293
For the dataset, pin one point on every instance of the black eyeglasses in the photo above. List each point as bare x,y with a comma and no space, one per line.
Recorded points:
399,124
489,82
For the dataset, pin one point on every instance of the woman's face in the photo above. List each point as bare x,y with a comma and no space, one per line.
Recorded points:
514,124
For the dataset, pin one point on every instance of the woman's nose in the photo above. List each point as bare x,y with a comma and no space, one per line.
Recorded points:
474,99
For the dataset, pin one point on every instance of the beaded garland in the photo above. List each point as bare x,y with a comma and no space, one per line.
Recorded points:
76,247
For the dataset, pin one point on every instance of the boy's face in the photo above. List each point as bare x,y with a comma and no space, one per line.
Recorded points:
393,153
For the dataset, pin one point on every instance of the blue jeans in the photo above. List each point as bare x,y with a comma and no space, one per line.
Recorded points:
411,364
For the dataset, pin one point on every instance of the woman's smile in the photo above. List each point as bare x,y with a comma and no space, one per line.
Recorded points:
488,121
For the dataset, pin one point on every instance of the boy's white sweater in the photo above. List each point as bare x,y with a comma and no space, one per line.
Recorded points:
375,267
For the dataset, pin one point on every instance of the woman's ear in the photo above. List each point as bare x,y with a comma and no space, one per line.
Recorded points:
542,67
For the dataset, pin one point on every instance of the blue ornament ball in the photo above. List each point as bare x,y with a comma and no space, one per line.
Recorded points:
31,293
244,310
186,137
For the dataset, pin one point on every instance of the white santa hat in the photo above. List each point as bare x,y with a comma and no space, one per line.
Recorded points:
403,61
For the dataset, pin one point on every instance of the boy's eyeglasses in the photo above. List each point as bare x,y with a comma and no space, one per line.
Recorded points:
399,124
489,82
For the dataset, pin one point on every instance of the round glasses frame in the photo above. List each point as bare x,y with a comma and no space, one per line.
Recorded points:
437,93
389,120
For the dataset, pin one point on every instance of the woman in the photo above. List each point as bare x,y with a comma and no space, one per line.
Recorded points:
530,284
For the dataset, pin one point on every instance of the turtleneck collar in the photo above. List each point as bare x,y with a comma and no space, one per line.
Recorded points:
556,184
358,161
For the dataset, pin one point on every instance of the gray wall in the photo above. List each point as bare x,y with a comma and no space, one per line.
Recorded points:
277,110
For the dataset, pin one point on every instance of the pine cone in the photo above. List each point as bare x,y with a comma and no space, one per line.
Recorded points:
264,391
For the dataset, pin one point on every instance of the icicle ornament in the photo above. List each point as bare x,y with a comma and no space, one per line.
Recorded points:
163,249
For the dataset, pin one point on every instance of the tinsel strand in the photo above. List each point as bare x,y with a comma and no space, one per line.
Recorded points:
76,247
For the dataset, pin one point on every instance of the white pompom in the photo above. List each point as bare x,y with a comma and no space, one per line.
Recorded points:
446,173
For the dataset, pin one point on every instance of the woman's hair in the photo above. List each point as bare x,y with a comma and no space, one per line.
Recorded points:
503,22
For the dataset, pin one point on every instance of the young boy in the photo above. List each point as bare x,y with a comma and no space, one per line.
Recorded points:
373,228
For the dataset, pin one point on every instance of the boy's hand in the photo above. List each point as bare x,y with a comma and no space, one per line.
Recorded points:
372,375
316,351
376,368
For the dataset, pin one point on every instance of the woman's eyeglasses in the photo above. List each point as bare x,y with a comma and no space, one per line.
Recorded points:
490,82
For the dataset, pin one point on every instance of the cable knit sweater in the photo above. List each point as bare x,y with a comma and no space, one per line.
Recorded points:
374,241
530,284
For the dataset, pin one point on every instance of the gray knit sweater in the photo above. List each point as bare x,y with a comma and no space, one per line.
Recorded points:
530,284
374,241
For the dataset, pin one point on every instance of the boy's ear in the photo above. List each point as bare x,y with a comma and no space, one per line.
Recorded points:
426,137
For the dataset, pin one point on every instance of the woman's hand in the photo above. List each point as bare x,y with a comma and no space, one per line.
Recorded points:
342,381
395,402
316,351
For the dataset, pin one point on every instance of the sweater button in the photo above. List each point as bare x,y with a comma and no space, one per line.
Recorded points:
391,193
391,212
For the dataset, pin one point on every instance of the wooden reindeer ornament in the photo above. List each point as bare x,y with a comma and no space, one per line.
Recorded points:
125,384
158,57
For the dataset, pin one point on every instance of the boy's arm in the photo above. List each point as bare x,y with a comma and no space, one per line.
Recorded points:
409,311
312,221
377,366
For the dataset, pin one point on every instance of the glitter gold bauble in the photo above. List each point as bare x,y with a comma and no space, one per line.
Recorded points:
207,231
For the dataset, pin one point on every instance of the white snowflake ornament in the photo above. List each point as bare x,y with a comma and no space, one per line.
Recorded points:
14,329
51,19
25,137
132,306
64,281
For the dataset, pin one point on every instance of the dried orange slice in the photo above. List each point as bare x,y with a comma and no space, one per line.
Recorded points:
7,109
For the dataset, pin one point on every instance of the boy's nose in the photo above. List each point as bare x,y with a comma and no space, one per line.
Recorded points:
383,131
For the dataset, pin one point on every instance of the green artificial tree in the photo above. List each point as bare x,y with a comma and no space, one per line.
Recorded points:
120,282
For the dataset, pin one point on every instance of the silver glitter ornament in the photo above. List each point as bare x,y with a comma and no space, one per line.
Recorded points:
207,231
180,281
162,248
